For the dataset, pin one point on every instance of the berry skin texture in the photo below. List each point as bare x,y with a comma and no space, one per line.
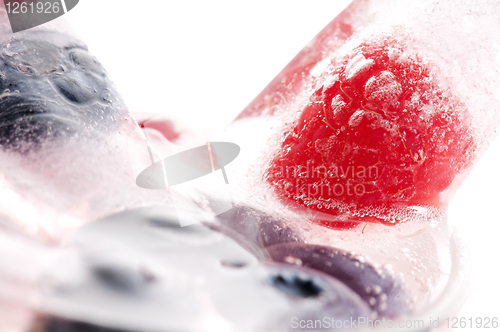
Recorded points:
377,136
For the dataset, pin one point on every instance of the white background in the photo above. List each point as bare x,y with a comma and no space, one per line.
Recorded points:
204,61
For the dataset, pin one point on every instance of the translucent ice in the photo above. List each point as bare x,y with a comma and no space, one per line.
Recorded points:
64,134
67,141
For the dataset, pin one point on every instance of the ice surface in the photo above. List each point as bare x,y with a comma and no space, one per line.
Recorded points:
145,272
458,41
382,291
65,135
452,38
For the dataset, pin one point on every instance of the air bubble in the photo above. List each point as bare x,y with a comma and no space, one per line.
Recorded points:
293,260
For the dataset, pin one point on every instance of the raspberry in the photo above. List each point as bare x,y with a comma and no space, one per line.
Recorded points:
377,135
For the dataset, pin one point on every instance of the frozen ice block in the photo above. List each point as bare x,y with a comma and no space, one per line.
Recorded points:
396,99
381,116
64,134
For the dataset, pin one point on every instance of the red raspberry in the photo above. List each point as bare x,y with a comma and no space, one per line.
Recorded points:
377,136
